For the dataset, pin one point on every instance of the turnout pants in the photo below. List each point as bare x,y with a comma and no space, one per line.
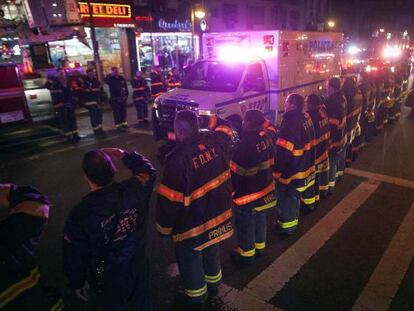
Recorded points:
308,199
200,270
67,120
333,166
288,206
322,184
95,115
251,229
342,161
141,107
119,110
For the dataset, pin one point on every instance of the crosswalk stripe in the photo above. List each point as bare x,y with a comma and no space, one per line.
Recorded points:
272,279
382,178
387,276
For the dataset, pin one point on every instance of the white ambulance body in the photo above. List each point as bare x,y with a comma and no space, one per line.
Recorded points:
254,69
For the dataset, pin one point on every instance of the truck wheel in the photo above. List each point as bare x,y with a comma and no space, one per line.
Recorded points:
236,123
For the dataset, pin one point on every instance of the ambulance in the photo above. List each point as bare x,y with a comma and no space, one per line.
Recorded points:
251,70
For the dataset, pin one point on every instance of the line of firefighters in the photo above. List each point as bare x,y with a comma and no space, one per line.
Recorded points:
290,167
68,93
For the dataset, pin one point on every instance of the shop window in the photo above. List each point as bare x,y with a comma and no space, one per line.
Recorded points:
254,79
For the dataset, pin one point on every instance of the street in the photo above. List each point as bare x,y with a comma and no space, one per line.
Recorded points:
355,251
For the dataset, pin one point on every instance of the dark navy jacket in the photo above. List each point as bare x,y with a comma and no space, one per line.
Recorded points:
89,227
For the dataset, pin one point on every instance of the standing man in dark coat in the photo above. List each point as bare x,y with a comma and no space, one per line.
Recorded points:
140,96
104,242
92,100
118,90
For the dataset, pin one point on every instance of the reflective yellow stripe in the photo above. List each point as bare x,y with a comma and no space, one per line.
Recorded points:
291,147
207,187
213,278
204,227
331,184
289,224
324,187
59,305
212,122
309,200
239,170
301,189
196,292
214,241
339,173
254,196
266,206
249,253
260,245
317,197
171,194
299,175
163,230
19,287
224,129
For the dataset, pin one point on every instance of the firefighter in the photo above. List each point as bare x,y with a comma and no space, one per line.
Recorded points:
395,112
371,94
320,120
140,96
380,104
62,104
105,234
76,88
295,162
194,204
118,90
157,83
92,100
354,100
20,231
253,186
335,105
366,92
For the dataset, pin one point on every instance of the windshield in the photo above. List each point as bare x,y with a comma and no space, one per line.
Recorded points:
214,76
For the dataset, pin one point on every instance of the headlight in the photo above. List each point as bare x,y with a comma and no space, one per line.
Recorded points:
157,102
206,112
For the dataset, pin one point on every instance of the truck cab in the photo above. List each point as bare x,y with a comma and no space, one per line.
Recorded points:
225,88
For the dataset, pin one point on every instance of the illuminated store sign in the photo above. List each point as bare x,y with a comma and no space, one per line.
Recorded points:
105,10
175,25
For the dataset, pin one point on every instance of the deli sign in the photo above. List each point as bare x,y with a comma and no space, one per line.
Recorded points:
107,10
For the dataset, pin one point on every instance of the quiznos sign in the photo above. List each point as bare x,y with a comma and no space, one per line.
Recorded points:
176,25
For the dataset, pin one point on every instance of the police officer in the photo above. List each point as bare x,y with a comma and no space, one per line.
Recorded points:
140,96
20,231
354,100
104,236
253,185
320,120
157,83
118,90
92,100
295,165
194,202
335,105
62,103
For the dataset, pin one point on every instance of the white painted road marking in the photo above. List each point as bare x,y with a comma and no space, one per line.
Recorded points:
382,178
271,280
389,273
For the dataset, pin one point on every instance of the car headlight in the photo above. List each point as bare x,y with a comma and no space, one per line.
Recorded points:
206,112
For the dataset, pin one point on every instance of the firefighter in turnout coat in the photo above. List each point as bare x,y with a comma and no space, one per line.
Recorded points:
295,162
194,202
253,185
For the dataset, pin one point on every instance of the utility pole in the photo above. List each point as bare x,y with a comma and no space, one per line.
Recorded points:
95,46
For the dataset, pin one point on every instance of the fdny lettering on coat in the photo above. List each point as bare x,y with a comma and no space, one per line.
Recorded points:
204,157
264,145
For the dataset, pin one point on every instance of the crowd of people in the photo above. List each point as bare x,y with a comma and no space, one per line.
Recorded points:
70,92
207,179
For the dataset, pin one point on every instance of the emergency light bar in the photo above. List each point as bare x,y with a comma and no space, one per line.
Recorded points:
238,54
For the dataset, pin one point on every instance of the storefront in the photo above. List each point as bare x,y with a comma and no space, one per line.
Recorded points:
164,42
112,22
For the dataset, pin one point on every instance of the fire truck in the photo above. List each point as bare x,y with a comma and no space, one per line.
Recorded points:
251,70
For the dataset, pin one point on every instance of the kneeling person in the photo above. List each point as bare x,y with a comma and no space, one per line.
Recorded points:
253,186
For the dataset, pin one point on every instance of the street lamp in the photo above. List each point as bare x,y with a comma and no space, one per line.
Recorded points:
199,13
331,24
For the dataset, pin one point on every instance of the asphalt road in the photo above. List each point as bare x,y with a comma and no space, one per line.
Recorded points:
354,252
